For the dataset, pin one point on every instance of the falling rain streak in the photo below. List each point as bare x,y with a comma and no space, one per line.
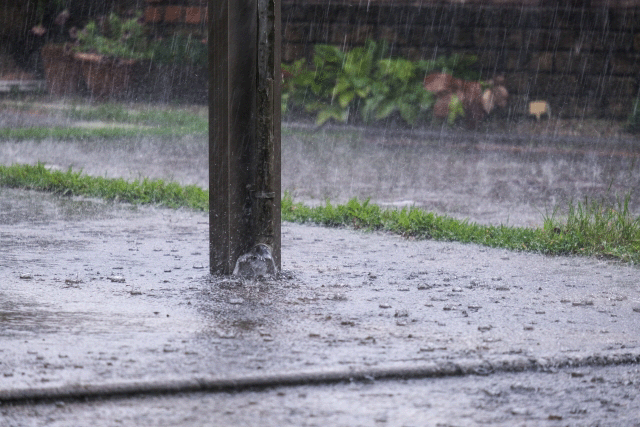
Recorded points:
531,107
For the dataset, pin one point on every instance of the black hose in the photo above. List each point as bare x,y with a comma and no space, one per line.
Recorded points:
431,370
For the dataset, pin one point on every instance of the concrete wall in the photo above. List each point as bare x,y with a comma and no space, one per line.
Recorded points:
583,59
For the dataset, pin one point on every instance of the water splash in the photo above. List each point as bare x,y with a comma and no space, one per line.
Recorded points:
256,263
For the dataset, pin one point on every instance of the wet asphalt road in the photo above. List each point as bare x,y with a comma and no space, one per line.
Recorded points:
483,178
486,178
588,397
106,295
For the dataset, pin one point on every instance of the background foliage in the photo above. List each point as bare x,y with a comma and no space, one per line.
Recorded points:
365,83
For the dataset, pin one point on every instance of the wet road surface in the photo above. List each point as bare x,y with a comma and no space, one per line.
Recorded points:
107,295
487,179
98,297
589,396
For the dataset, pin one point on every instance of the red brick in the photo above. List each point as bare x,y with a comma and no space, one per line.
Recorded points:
153,14
173,14
194,15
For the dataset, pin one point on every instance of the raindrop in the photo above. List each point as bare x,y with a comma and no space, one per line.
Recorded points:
71,281
582,303
226,334
337,297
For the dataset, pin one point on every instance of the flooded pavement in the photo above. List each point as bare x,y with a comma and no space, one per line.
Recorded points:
102,300
183,160
99,296
589,396
483,178
514,179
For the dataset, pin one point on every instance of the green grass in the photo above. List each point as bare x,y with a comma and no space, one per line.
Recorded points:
72,183
147,117
122,123
70,133
591,228
596,227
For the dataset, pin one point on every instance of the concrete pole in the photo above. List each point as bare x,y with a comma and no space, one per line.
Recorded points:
244,132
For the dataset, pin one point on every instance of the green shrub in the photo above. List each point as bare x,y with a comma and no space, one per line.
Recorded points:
397,86
365,82
339,81
115,37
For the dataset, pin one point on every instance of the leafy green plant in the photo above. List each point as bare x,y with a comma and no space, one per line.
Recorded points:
397,87
115,37
291,83
340,81
456,109
367,81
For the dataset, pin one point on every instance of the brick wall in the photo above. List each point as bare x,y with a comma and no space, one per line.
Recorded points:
583,59
169,15
582,56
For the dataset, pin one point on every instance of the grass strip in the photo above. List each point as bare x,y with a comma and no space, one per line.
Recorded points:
60,132
148,117
151,122
70,183
591,228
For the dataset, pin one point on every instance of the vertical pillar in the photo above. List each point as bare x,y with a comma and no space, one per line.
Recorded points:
244,130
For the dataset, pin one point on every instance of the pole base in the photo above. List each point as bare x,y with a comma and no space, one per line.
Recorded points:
256,263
